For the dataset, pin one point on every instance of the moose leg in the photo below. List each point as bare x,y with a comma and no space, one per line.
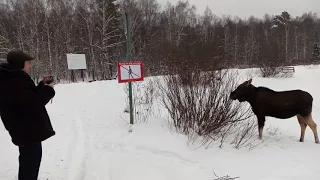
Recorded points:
261,121
303,126
313,127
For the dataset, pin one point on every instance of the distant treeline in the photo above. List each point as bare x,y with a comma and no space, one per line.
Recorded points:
166,38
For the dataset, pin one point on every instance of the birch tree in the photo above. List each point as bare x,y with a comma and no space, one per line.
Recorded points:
107,23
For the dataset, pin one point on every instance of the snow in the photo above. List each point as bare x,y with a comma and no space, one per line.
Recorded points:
93,142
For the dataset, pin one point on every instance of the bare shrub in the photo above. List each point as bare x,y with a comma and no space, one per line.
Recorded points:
272,69
274,72
199,104
227,177
269,71
269,68
246,135
143,99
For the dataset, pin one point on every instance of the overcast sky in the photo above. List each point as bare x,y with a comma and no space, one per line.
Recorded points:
258,8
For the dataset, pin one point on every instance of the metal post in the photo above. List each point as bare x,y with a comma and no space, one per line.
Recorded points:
128,59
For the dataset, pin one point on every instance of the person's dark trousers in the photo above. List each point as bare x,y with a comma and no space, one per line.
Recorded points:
29,161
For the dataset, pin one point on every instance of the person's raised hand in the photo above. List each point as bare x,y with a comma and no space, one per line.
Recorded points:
51,84
48,81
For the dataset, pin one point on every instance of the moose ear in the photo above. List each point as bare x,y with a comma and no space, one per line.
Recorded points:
249,82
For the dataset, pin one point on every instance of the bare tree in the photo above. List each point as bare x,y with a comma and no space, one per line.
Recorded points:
107,24
160,36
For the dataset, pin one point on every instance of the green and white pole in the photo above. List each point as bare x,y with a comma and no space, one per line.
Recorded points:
127,28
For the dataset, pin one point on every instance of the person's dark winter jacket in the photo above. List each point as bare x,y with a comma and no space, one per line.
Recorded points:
22,106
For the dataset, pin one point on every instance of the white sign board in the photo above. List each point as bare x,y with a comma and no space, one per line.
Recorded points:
76,61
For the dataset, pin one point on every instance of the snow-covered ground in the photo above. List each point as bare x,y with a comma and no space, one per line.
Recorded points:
93,142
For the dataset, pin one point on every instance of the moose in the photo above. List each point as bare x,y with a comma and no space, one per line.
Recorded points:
278,104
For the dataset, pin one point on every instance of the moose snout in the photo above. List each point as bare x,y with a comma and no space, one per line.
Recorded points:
232,96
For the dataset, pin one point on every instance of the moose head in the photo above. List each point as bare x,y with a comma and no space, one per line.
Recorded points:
242,92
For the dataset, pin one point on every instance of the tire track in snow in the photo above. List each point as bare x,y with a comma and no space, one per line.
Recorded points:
77,165
132,148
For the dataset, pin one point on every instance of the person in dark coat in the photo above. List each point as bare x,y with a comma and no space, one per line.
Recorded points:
23,112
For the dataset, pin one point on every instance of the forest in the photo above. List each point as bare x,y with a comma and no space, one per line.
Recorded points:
167,39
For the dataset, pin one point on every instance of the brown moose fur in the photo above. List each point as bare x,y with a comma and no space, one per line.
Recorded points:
278,104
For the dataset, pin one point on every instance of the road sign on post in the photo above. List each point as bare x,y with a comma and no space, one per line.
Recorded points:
130,72
128,48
